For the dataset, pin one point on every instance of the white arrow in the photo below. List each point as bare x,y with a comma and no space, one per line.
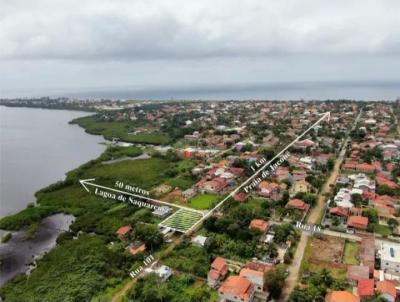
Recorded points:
208,214
86,181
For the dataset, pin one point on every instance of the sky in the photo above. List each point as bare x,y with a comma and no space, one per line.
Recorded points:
52,47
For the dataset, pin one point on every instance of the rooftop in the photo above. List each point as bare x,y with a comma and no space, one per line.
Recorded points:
390,251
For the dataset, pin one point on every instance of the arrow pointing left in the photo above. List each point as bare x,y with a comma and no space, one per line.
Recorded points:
86,181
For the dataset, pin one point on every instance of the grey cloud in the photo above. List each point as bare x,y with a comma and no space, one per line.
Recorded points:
144,30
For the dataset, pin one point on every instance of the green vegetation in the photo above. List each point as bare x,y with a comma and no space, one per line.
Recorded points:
117,152
351,253
316,287
150,235
31,231
204,201
73,271
122,130
275,280
6,238
188,258
384,230
26,217
81,269
240,250
182,288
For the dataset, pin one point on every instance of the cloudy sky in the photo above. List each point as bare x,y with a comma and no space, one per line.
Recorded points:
54,47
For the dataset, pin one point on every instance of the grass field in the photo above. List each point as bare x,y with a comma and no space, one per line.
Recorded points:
351,253
203,201
383,230
86,262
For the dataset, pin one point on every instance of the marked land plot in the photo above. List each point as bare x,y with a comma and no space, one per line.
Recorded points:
182,220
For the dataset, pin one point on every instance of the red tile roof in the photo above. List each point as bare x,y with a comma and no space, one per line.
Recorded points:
268,185
341,296
259,224
297,204
365,287
237,286
358,222
219,264
386,287
364,167
382,181
339,211
122,231
240,197
213,274
246,272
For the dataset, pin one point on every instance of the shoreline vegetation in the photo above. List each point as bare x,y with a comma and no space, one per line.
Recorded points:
121,130
86,255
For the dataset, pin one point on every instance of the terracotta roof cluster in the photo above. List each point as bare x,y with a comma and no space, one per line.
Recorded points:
382,181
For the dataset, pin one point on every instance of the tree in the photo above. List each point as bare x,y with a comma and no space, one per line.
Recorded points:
199,295
356,199
371,214
149,234
393,223
150,289
275,280
385,190
282,232
268,153
330,164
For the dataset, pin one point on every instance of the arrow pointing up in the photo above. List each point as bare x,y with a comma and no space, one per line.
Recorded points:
86,181
328,114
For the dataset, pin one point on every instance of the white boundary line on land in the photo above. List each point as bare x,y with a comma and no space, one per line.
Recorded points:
206,215
209,213
87,182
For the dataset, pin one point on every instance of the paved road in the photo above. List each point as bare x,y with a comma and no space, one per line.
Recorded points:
313,218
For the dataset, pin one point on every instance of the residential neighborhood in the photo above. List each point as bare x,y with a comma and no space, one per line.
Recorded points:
251,201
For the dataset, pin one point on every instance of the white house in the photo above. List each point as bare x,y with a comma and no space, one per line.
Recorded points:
343,198
199,240
390,256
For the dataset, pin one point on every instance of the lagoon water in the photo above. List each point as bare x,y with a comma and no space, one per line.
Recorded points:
37,148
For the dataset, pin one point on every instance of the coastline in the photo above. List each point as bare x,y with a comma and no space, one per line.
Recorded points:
20,253
38,149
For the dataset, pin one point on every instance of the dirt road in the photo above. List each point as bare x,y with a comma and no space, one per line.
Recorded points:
313,218
121,293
